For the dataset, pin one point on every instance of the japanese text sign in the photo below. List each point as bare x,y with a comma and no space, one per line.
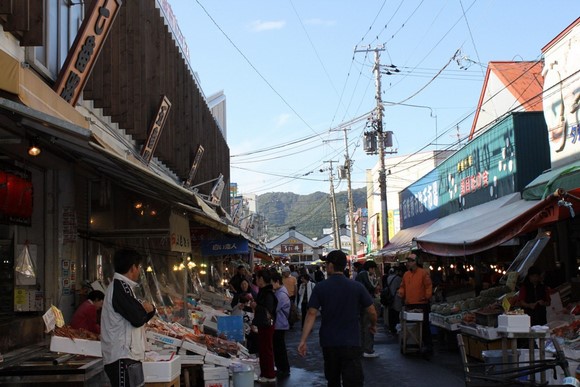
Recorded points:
85,49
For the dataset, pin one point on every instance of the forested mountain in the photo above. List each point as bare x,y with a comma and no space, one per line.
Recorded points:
308,213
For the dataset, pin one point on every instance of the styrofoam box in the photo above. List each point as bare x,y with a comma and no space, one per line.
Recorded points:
172,341
412,316
162,371
514,321
212,372
213,358
76,346
217,383
194,347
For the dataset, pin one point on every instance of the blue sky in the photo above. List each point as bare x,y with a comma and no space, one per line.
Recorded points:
291,75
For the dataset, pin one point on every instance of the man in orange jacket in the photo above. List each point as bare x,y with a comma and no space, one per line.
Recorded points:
416,291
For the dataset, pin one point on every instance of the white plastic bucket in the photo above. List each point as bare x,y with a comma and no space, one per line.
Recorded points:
242,375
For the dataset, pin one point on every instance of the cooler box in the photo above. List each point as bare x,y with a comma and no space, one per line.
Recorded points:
162,371
513,323
413,316
76,346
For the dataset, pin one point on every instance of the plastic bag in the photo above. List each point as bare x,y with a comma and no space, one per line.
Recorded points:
24,264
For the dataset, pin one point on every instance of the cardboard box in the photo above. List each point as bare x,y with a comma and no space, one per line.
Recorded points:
213,358
217,383
162,371
76,346
412,316
211,372
513,323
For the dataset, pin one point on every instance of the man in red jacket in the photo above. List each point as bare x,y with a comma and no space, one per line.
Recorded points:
86,315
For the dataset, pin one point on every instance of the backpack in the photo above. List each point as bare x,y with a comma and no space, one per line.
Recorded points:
387,297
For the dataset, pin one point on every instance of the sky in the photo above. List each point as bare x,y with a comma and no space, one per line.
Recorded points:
297,73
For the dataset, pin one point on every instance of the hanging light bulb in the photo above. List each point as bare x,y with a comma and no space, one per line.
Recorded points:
175,268
34,149
149,269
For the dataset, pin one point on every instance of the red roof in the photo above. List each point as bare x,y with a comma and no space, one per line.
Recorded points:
523,80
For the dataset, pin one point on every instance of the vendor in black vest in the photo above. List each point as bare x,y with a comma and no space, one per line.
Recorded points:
534,297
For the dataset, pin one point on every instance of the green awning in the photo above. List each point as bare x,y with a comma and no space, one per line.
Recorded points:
566,178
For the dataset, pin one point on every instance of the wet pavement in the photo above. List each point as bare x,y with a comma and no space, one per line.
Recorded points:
391,368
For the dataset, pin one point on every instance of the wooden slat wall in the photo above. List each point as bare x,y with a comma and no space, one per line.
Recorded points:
139,64
18,20
34,36
24,19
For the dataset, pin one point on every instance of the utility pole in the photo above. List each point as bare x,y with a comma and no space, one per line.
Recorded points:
378,123
348,166
336,230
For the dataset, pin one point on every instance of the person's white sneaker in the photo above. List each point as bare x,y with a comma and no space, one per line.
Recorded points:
371,354
263,379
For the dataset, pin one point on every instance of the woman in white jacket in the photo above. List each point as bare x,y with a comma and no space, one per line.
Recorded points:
304,293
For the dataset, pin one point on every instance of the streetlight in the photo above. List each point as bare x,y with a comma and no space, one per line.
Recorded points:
418,106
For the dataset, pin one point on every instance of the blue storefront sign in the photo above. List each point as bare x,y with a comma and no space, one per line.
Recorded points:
224,247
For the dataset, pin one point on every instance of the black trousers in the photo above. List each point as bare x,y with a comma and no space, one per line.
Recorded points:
280,353
125,373
393,320
343,363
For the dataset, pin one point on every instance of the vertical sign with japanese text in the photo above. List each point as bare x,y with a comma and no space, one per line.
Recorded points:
194,165
179,233
156,129
217,190
85,49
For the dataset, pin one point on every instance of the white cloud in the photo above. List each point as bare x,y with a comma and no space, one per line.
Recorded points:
320,22
259,25
282,120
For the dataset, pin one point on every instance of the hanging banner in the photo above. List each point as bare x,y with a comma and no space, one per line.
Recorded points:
179,233
85,49
156,129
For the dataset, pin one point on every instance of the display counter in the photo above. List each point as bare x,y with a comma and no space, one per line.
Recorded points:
38,365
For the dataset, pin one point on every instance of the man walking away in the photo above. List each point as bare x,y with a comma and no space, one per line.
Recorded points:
416,290
368,279
122,323
340,302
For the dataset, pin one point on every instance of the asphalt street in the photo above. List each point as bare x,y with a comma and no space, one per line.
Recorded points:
391,368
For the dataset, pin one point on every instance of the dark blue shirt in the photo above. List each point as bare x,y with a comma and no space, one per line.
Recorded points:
340,301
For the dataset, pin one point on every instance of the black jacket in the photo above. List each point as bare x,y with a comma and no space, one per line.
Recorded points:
266,303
